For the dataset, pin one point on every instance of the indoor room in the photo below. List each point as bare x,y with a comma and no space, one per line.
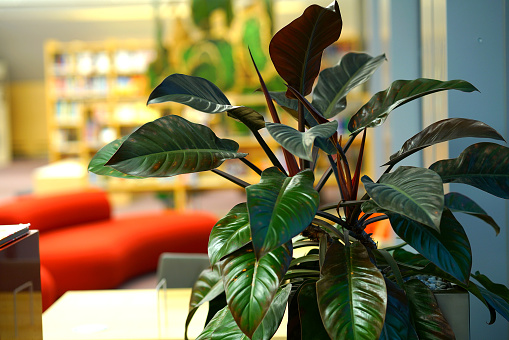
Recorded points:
194,168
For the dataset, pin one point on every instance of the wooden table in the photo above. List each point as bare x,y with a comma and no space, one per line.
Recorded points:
123,314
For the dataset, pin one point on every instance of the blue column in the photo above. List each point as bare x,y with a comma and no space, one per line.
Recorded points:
405,63
477,49
403,52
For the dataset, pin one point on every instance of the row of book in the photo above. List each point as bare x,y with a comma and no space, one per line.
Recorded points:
102,62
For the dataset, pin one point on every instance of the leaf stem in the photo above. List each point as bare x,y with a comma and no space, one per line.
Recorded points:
268,152
231,178
374,219
251,165
328,228
333,218
323,179
291,162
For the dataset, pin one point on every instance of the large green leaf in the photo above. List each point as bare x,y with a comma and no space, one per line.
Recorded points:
429,321
223,325
208,286
457,202
171,146
301,143
309,314
296,50
496,294
251,284
280,208
334,83
252,119
482,165
500,304
274,316
375,112
230,233
417,193
351,294
398,325
97,163
442,131
449,249
196,92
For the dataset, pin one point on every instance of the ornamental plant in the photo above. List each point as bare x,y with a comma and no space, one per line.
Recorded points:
344,286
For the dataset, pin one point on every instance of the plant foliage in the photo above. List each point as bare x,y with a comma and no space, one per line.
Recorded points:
343,286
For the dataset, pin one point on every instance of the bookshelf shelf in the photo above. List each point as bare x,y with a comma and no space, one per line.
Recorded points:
94,90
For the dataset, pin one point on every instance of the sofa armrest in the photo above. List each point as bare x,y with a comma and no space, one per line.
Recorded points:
57,210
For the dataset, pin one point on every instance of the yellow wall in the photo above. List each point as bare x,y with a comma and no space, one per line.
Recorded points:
28,119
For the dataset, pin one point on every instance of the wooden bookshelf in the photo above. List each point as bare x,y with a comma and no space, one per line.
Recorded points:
95,92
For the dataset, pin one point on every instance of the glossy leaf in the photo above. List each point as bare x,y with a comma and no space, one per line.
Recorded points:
274,316
222,327
301,143
208,286
443,131
351,294
290,105
398,325
334,83
309,315
280,208
171,146
413,260
457,202
251,285
482,165
449,249
252,119
215,305
496,294
417,193
196,92
429,321
496,301
375,112
230,233
296,50
97,163
415,264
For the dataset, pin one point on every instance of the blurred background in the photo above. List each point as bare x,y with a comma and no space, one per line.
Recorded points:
76,74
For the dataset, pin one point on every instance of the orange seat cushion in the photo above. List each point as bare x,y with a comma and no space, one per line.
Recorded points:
104,254
49,212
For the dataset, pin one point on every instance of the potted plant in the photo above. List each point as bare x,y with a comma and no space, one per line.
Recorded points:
345,287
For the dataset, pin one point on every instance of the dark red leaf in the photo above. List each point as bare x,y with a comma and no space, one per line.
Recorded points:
296,50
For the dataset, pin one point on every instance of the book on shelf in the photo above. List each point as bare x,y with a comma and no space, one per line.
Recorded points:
9,233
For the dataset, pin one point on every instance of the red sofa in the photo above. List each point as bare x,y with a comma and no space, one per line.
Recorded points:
83,247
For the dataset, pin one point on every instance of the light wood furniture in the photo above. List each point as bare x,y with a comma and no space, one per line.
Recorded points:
124,314
20,289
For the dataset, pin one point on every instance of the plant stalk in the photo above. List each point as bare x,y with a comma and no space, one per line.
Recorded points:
231,178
